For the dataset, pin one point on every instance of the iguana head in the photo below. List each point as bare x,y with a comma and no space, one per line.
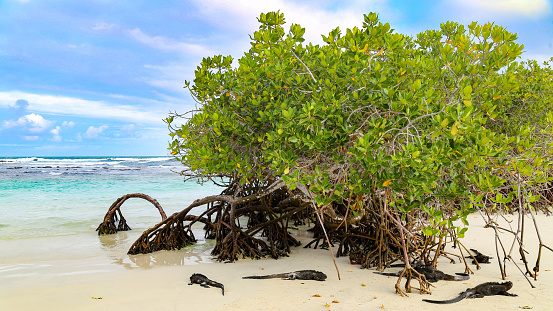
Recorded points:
508,285
319,276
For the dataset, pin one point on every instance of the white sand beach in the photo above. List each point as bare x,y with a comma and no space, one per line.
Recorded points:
160,281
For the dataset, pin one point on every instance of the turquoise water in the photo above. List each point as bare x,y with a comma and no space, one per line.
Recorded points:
50,209
44,197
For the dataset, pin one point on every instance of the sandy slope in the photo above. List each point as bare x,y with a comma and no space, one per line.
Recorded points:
165,287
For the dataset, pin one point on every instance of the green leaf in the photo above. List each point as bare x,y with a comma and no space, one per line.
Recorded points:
454,129
467,90
417,85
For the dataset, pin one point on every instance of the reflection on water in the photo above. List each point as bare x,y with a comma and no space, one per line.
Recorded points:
111,242
45,258
169,258
116,246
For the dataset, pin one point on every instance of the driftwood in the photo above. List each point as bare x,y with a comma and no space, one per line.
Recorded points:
114,220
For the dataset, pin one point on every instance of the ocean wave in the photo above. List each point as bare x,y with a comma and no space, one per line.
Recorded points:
73,166
18,160
143,160
94,160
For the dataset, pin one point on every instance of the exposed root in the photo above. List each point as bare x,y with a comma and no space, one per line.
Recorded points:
114,220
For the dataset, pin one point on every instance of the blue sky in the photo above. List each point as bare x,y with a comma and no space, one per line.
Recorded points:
97,77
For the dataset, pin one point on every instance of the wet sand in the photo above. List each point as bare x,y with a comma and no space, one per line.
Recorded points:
159,281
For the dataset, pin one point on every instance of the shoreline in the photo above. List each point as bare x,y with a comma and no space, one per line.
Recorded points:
159,281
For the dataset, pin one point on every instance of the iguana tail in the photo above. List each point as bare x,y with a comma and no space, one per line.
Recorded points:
270,276
454,300
457,277
217,284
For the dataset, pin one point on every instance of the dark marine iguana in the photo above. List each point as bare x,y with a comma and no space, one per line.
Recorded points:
485,289
296,275
203,281
480,258
431,274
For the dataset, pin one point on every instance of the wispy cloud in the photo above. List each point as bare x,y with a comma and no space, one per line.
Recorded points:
68,124
317,19
63,105
168,44
540,58
169,77
128,131
93,132
103,26
518,8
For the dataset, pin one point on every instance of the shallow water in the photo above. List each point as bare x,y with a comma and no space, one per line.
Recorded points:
50,209
42,197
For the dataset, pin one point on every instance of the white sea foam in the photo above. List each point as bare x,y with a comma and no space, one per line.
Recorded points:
143,160
19,160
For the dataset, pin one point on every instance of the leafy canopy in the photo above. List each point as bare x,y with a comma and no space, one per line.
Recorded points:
444,119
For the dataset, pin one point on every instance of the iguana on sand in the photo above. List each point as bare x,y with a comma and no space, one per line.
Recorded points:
296,275
431,274
480,258
485,289
203,281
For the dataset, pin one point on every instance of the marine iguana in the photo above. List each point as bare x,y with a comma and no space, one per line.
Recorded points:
296,275
431,274
484,289
480,258
203,281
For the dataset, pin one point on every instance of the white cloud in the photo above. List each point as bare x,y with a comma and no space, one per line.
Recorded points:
30,138
63,105
34,123
514,8
540,58
102,26
167,44
170,77
68,124
173,85
313,16
56,133
128,131
93,132
128,128
37,123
